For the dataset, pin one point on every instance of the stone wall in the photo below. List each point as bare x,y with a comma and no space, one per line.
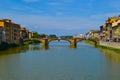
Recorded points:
110,44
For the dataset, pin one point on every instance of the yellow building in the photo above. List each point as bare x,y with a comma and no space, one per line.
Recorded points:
116,32
5,24
11,31
103,33
24,33
111,29
111,20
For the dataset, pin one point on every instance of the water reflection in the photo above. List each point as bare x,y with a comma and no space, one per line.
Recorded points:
111,55
21,49
58,63
15,50
32,47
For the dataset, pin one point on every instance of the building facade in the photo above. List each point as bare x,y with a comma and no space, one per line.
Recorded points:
16,33
78,36
93,34
11,31
111,29
24,33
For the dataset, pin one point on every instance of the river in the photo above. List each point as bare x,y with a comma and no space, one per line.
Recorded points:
59,62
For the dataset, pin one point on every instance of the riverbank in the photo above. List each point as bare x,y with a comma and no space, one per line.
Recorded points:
90,42
5,46
114,46
110,48
110,44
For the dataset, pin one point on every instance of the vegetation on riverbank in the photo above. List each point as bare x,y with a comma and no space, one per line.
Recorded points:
30,42
110,48
5,46
90,42
104,47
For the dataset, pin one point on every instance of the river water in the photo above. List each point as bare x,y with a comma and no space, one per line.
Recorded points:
59,62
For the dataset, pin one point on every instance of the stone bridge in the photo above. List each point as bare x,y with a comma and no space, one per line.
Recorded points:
96,40
45,41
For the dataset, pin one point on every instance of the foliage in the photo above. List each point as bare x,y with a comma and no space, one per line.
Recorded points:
90,42
66,36
30,42
42,35
37,35
5,45
104,47
52,36
110,48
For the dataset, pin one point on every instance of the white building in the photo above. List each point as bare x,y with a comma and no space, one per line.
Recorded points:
78,36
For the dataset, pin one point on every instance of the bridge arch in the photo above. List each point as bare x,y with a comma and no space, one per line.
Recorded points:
50,40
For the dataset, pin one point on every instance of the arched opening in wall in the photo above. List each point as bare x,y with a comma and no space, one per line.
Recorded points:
59,43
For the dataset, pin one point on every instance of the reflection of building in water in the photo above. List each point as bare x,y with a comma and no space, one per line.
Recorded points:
111,55
15,50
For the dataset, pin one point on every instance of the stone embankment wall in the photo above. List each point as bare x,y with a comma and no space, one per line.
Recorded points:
110,44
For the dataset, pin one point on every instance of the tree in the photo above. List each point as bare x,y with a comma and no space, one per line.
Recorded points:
42,36
52,36
66,36
35,35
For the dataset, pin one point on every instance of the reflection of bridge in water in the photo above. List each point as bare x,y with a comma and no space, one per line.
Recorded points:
45,41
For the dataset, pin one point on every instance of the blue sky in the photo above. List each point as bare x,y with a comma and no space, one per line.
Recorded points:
61,17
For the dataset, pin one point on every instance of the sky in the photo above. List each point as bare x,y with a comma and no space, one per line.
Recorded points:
61,17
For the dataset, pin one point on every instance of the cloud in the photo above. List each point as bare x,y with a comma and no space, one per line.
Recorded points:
25,9
101,18
59,23
106,15
30,0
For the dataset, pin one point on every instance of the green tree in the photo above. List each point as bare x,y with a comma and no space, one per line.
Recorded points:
42,36
35,35
52,36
